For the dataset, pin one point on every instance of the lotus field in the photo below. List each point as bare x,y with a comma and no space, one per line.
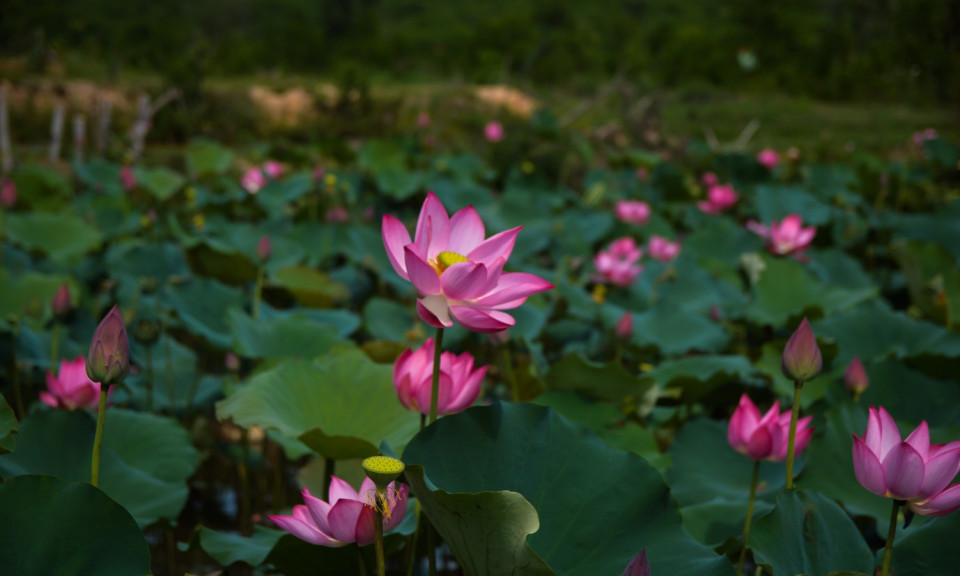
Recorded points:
514,357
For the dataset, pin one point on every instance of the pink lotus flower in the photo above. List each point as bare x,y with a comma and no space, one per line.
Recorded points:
128,179
618,264
348,517
108,360
8,193
632,211
719,199
784,237
459,382
253,180
767,437
709,179
855,377
913,470
456,272
337,214
624,327
769,158
72,388
493,132
273,169
662,249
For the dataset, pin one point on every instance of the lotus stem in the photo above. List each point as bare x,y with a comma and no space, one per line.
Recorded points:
98,438
435,390
791,439
378,531
746,525
257,294
243,476
54,341
148,381
888,548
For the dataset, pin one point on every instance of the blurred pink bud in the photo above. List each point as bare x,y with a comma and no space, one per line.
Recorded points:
662,249
855,377
71,388
264,249
619,263
8,193
60,303
766,437
769,158
460,383
801,360
338,214
273,169
642,173
318,173
639,566
930,134
709,179
423,119
624,327
128,179
369,213
232,362
784,237
253,180
719,199
715,313
493,132
108,361
632,211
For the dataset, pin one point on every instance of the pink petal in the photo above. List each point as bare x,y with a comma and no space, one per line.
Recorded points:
466,231
422,275
943,503
398,508
478,320
903,469
920,440
938,472
340,490
760,444
303,529
318,510
467,393
789,226
435,311
343,518
757,228
889,433
395,237
707,207
365,532
49,399
433,227
805,236
463,280
867,468
513,287
495,247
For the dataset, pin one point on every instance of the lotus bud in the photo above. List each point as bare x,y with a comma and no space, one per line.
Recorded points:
232,362
625,326
108,361
264,249
801,361
60,304
855,378
8,193
639,566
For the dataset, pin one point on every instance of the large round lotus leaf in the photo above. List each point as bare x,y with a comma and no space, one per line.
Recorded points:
162,182
170,362
387,320
400,184
830,463
345,321
776,202
683,285
875,332
888,381
925,548
202,304
290,335
808,533
310,287
610,381
932,277
218,259
30,293
942,227
697,376
576,230
719,240
676,331
41,187
144,462
714,503
786,289
63,236
142,260
227,548
8,427
365,249
597,506
208,158
320,241
837,268
56,528
294,557
342,405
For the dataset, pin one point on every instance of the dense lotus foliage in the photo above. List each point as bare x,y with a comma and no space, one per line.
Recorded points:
276,323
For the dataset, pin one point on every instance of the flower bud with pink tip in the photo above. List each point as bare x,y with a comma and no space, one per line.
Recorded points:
264,248
493,132
624,327
801,360
108,361
8,193
765,437
60,303
639,566
768,158
855,377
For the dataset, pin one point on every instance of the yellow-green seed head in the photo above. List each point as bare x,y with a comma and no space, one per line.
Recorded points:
382,470
448,259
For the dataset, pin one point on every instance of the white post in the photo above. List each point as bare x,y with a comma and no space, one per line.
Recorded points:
79,137
56,131
103,126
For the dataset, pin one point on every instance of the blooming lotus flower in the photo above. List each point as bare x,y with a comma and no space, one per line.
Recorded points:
719,199
801,360
914,470
108,361
347,517
784,237
662,249
769,158
618,264
633,212
493,132
459,382
253,180
273,169
8,193
128,179
60,303
855,377
639,566
765,438
456,272
71,388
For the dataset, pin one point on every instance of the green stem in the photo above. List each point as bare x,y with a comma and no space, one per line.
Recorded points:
98,438
509,372
363,565
431,550
378,530
257,294
21,412
243,477
168,349
435,390
329,468
412,545
746,525
148,381
54,341
794,416
888,548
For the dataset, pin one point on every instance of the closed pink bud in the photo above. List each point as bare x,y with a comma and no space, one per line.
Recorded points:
60,303
801,360
264,249
108,361
127,178
855,377
639,566
625,326
769,158
232,362
8,193
273,169
493,132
